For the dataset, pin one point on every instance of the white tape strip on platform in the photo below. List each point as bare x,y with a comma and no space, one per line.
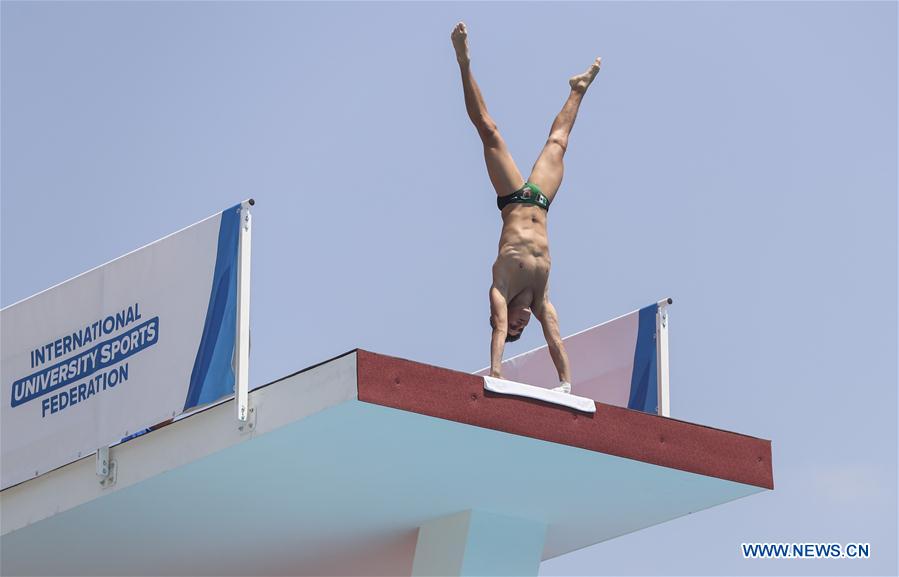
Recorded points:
521,390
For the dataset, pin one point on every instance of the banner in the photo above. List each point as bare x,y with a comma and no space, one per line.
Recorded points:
621,362
129,344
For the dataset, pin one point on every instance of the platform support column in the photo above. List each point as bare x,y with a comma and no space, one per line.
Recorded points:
479,543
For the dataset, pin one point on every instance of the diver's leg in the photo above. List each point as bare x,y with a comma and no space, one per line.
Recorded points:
501,169
547,171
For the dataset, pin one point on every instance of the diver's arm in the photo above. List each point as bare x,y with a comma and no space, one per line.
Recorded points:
500,321
546,314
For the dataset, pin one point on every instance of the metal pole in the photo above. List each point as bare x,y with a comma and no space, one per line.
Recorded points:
662,356
242,369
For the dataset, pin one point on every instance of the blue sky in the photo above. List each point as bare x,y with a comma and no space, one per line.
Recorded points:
738,157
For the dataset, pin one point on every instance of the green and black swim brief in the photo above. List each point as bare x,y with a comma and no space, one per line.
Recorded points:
528,194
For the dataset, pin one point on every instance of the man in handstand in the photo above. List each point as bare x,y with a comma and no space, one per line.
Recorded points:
521,270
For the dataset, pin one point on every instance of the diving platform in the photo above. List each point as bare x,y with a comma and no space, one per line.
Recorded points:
368,464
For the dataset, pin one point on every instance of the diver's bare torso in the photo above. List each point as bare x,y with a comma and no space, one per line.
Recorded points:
522,265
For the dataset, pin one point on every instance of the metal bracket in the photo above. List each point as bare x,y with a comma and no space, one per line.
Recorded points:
249,425
106,468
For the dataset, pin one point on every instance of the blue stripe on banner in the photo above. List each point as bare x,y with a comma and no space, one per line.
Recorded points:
644,379
213,376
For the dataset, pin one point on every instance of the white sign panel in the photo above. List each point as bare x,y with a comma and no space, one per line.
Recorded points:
622,362
121,347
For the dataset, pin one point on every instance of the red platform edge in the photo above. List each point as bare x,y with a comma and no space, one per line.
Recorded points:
457,396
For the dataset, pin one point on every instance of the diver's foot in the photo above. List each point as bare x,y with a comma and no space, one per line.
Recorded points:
564,388
582,81
460,43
